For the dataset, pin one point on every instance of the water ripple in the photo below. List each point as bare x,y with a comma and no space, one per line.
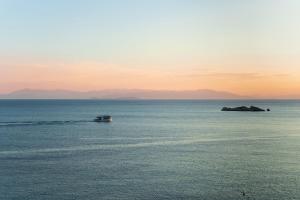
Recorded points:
121,146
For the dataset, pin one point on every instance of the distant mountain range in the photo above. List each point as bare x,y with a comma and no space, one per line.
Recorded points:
120,94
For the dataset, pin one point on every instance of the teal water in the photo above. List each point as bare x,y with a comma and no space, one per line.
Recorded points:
51,149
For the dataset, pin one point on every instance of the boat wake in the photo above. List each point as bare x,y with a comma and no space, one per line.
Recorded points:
36,123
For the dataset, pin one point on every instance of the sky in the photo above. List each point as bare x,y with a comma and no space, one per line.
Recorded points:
248,47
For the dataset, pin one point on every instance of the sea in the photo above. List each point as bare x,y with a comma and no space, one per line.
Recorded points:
153,149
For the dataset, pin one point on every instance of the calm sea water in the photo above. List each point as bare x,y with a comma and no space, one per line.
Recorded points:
51,149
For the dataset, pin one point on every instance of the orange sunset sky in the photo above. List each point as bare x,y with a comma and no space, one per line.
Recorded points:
246,47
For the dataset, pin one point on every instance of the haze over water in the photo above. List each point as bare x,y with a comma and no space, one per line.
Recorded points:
170,149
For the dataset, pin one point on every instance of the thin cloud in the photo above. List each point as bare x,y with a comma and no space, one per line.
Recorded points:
244,76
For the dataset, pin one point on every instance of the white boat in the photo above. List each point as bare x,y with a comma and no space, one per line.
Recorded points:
103,118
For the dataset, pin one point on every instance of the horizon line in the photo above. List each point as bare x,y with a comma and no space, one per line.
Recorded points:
158,99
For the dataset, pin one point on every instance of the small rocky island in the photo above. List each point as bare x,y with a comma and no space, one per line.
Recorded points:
245,109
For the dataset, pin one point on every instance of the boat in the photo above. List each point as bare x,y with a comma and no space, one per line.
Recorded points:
103,118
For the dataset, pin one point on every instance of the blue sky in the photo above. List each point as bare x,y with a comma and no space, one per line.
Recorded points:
128,28
106,29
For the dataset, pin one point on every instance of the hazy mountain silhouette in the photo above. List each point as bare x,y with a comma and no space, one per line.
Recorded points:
120,94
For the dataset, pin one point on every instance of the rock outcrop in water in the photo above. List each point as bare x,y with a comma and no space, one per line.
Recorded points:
244,108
